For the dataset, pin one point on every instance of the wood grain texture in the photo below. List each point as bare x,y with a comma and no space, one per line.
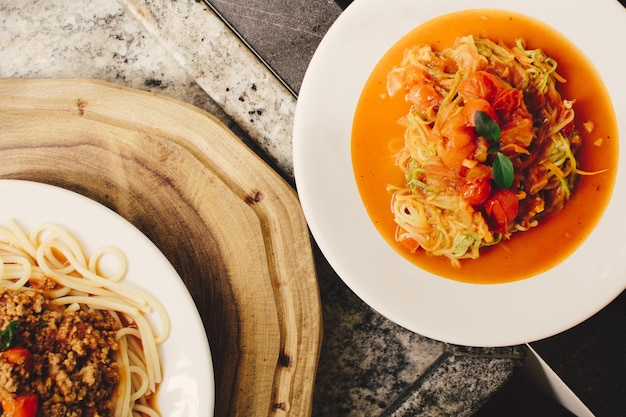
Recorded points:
231,227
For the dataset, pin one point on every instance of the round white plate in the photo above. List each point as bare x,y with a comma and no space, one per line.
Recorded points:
455,312
188,386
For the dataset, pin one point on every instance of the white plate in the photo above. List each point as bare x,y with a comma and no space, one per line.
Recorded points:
188,386
468,314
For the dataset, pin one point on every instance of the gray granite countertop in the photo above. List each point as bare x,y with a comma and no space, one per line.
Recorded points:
183,49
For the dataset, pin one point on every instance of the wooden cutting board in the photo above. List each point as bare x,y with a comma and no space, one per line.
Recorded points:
231,227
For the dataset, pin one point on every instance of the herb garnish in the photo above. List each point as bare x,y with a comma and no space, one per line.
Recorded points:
9,336
502,166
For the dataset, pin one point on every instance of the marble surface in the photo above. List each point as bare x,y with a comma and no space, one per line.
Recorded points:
184,50
139,45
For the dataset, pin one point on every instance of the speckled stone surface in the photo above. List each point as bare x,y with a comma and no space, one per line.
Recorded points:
296,28
370,366
453,386
182,49
226,69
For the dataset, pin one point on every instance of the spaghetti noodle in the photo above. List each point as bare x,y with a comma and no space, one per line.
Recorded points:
489,146
52,261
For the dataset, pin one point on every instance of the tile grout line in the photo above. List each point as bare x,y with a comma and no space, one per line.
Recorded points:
415,385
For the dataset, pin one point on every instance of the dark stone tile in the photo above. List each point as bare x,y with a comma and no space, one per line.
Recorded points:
455,386
366,360
285,34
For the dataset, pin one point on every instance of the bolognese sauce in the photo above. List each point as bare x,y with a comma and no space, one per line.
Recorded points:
56,362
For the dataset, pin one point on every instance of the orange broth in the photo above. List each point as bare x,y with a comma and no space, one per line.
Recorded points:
377,137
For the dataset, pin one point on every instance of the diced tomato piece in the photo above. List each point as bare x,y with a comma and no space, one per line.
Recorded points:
424,97
478,104
20,405
19,355
477,187
519,130
507,101
481,84
502,209
476,192
410,244
414,76
479,172
459,141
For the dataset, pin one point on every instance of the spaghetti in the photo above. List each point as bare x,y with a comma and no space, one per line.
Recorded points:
489,146
52,261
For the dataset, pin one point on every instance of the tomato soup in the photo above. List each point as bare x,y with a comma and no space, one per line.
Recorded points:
377,137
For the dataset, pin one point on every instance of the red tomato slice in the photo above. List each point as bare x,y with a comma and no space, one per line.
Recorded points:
476,192
478,104
410,244
20,405
19,355
424,97
458,141
502,209
507,102
481,84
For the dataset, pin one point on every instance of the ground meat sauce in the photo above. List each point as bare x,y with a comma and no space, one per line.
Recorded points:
73,371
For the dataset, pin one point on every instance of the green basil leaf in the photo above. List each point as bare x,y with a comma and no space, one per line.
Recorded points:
502,171
494,147
486,126
9,336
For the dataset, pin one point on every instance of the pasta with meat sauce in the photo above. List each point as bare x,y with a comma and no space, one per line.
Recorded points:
70,365
73,341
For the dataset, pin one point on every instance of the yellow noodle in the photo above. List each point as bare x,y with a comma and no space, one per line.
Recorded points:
427,209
